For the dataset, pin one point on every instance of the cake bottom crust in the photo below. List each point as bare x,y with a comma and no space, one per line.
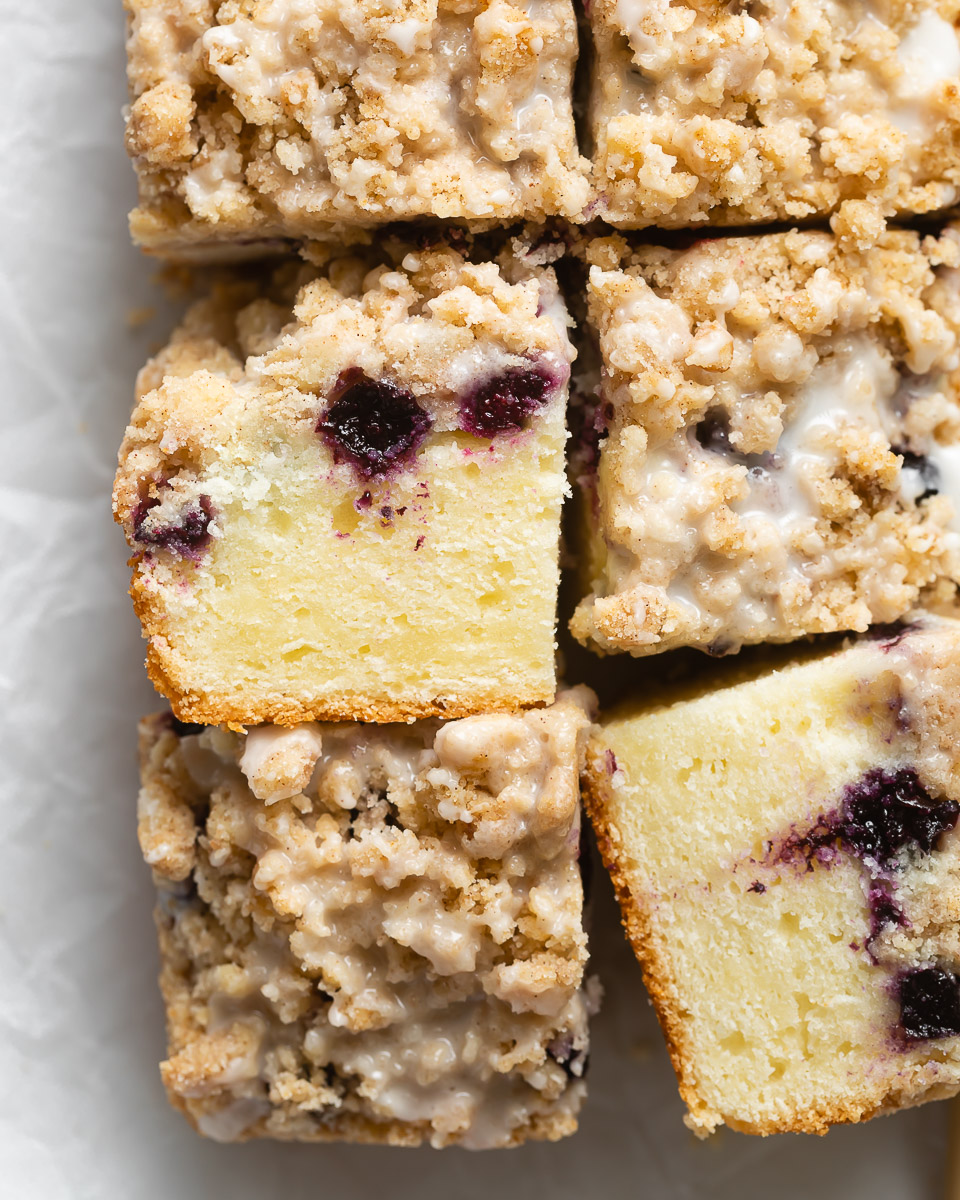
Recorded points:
226,708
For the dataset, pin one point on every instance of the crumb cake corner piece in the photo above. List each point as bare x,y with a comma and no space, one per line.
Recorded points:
273,120
784,111
372,933
787,859
778,438
342,493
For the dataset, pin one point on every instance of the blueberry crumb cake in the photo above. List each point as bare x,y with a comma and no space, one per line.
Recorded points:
343,491
776,440
787,858
372,933
281,119
774,111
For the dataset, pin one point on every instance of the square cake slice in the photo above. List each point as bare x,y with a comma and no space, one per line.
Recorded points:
372,933
288,118
776,438
780,110
787,858
343,494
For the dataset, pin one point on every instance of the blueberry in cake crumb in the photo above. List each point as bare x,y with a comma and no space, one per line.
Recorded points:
888,810
503,404
882,813
373,424
185,537
575,1061
925,470
929,1000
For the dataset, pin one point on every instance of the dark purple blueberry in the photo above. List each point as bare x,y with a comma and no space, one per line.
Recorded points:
713,432
887,810
929,1003
610,760
890,633
372,424
757,887
574,1062
504,403
882,813
589,418
925,468
185,537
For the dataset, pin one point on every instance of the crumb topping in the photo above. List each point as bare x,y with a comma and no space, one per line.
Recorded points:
372,927
780,112
277,118
778,407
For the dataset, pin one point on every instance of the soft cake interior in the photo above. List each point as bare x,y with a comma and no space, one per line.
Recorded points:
779,942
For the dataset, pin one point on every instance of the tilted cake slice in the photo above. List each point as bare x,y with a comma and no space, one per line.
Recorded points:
778,436
286,119
372,933
787,859
343,493
779,111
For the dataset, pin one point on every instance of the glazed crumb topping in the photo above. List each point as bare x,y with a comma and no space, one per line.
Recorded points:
382,923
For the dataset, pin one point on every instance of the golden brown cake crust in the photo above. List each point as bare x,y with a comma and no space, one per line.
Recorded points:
210,709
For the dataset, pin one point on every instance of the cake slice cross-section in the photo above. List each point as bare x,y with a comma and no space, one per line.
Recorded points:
289,119
778,111
342,492
787,857
775,444
372,933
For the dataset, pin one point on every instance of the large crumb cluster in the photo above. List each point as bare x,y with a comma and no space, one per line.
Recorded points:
372,932
777,964
781,110
775,410
282,119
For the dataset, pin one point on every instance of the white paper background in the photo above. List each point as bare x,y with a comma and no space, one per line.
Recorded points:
82,1114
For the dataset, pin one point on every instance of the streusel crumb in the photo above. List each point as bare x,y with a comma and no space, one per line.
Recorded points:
778,111
279,119
372,933
780,435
